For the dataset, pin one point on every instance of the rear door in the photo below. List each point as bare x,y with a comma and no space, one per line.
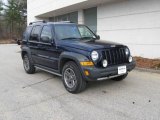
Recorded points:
33,43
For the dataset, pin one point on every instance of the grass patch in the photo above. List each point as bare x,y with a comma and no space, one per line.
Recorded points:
147,63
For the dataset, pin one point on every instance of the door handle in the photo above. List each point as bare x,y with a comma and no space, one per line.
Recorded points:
34,47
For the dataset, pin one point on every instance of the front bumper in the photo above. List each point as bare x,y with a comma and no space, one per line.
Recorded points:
97,74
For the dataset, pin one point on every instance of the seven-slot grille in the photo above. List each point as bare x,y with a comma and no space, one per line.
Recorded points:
115,56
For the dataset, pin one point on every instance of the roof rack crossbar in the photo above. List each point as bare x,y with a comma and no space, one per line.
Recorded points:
40,21
66,21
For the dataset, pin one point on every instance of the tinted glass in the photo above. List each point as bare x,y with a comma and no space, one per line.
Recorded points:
35,33
46,33
26,33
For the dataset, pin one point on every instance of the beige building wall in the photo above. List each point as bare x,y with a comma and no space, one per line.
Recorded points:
135,23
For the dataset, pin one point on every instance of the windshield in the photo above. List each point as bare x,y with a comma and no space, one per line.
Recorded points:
85,32
73,32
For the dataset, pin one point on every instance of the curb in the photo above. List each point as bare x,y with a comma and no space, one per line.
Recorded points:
147,70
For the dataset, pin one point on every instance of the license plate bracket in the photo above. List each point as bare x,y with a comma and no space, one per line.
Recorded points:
122,70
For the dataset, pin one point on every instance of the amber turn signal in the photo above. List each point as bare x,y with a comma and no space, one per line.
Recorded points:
86,72
87,63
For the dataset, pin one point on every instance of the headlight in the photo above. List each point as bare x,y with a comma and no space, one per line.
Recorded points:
127,51
94,55
105,63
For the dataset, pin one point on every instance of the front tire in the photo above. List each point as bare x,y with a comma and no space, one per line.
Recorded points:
72,78
28,66
120,78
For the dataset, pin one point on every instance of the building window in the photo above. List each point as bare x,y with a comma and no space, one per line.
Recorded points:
73,17
90,18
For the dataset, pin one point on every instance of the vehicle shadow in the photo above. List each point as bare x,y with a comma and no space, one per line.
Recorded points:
96,84
92,86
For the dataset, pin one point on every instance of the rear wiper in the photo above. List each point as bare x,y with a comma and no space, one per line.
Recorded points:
69,38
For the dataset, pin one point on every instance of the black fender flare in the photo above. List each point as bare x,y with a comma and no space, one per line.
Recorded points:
76,57
25,50
28,52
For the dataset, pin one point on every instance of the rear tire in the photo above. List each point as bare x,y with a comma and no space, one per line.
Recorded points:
120,78
28,65
72,78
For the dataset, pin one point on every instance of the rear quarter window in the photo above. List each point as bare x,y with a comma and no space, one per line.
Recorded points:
27,33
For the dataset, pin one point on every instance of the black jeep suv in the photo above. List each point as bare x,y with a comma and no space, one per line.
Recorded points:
75,53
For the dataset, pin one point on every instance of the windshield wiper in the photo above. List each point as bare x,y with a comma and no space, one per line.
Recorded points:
88,38
69,38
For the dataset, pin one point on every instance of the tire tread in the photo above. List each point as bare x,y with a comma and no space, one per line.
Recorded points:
82,82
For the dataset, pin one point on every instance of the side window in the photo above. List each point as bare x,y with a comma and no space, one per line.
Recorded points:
35,33
26,33
46,35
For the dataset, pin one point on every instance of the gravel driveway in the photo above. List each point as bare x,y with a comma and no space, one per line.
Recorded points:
41,96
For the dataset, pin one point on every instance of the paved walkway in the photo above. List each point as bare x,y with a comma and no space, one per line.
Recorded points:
41,96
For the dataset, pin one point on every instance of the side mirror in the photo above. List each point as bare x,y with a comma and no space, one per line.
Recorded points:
45,39
98,37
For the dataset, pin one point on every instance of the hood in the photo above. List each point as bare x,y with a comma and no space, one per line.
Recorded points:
90,45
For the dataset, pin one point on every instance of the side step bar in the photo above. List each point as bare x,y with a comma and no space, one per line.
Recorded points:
48,71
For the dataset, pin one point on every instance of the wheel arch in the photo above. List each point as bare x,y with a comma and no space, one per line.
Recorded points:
70,56
25,51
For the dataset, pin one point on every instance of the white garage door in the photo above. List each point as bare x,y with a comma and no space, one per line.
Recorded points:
135,23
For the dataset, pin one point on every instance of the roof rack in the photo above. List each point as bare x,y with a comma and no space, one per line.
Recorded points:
41,21
63,22
66,21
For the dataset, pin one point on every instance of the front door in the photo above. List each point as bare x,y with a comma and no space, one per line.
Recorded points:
47,49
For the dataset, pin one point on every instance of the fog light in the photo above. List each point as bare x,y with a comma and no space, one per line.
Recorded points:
130,59
105,63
